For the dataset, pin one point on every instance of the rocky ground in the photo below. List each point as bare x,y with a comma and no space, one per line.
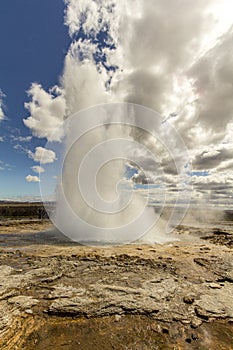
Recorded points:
55,294
23,226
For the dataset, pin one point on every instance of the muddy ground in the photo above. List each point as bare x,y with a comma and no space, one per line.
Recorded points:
56,294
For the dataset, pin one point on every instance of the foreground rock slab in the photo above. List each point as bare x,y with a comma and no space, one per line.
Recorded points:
138,296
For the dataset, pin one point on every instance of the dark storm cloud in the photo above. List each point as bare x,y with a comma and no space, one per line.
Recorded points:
207,160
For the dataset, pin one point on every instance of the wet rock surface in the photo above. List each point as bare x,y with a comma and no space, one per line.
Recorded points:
66,296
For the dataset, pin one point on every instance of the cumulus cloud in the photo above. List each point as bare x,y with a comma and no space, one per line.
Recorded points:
93,17
1,139
216,188
157,50
213,78
31,178
42,155
173,56
37,169
47,110
209,159
141,178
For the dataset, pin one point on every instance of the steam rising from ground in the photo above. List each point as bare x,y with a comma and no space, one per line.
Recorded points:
97,200
174,57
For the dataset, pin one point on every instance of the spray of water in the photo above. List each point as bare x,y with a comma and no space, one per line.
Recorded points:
96,202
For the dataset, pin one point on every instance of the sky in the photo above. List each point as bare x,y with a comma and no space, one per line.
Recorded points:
34,42
173,56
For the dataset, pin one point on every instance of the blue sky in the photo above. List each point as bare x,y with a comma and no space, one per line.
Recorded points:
116,52
34,42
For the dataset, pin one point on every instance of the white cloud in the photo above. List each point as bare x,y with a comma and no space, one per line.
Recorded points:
47,110
179,64
37,169
23,199
20,148
213,84
97,17
1,139
2,114
42,155
5,166
31,178
22,138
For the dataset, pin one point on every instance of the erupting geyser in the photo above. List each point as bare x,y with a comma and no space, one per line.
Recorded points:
97,202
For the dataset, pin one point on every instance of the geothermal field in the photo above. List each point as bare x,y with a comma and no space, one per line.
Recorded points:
116,175
58,294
